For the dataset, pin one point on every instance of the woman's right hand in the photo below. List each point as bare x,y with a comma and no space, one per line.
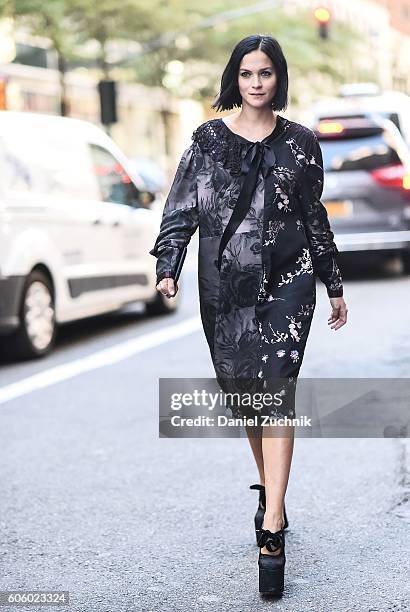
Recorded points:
167,287
338,316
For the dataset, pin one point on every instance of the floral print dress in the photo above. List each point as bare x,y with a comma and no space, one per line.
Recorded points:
263,236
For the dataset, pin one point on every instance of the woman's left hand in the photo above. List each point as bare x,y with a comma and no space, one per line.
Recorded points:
338,316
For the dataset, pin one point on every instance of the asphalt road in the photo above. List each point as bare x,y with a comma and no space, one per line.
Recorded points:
93,502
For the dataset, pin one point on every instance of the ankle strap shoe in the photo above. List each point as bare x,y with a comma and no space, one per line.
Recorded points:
271,567
260,512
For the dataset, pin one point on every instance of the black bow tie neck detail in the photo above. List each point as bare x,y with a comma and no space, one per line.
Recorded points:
259,156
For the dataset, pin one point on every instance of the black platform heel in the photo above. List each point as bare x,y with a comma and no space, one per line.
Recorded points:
260,513
272,567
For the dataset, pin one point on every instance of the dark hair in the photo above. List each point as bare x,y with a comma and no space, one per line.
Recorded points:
229,95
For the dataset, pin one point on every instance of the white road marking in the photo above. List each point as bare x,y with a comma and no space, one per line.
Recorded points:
102,358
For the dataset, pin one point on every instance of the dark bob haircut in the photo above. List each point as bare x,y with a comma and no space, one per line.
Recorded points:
229,95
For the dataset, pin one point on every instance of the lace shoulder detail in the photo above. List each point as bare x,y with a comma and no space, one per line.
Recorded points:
300,130
220,144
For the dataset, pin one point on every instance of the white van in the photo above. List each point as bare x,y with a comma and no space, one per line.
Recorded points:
75,230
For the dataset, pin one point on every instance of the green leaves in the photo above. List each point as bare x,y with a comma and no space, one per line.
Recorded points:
140,38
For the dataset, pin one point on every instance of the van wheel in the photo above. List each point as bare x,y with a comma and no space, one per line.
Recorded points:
36,334
163,305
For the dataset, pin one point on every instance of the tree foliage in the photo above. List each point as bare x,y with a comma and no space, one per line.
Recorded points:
138,27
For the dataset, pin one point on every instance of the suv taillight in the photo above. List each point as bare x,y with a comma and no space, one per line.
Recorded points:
394,176
346,127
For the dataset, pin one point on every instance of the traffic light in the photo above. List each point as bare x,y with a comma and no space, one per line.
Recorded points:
322,16
108,101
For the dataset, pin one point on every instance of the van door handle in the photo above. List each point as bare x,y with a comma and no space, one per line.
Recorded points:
116,224
96,222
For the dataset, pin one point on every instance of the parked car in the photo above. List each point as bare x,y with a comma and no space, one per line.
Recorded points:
367,184
75,230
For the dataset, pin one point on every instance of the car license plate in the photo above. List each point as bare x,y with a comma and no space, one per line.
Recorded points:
338,208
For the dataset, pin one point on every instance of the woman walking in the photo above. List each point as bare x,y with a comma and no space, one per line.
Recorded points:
252,183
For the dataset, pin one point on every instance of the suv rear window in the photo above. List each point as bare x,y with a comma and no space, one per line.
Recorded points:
363,153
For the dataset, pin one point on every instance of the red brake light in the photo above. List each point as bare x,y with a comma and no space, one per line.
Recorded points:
395,177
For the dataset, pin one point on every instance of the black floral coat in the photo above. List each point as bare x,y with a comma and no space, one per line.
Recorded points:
263,235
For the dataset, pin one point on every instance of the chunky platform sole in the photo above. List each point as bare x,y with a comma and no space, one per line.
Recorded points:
271,581
272,567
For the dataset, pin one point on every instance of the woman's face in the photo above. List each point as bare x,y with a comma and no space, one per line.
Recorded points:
256,79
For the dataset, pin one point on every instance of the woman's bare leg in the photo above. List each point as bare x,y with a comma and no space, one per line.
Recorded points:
255,441
277,450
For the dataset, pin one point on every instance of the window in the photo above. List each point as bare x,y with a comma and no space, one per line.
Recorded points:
114,182
31,55
33,160
366,153
395,118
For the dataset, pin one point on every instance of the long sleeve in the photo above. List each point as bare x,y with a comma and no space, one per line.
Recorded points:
180,215
321,238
